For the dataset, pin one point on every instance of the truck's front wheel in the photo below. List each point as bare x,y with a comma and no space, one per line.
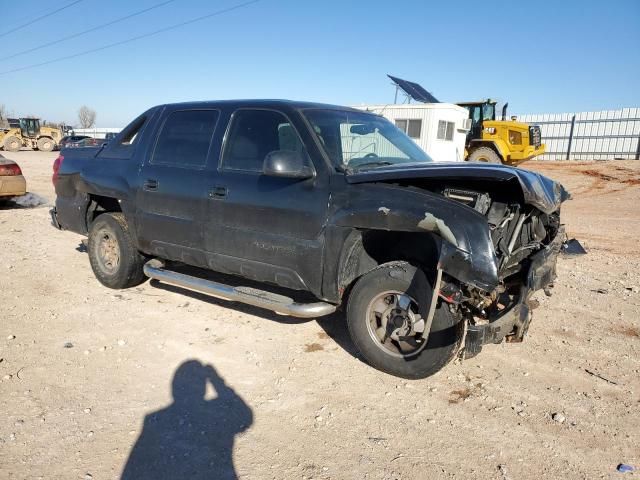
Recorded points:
115,261
386,314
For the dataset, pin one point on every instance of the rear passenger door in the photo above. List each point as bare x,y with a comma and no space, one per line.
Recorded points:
173,187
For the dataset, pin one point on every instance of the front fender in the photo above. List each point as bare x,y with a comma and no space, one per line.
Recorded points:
466,251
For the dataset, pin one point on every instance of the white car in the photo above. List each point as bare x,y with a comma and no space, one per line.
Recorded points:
12,182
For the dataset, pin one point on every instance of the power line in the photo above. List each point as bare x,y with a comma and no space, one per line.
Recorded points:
39,18
133,39
93,29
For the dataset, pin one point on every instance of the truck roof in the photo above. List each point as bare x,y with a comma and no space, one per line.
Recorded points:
263,103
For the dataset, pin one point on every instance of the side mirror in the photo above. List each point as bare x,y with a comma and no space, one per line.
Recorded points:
287,164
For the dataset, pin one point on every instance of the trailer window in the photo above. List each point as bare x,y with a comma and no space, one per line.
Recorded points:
445,130
413,128
402,125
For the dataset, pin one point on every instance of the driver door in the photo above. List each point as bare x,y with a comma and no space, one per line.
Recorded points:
263,227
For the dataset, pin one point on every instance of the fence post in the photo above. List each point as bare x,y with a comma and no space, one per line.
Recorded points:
573,123
638,150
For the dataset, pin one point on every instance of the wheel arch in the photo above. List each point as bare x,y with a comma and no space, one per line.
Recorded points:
97,205
366,250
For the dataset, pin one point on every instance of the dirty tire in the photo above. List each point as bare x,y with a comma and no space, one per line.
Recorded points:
445,335
46,144
115,261
484,154
12,144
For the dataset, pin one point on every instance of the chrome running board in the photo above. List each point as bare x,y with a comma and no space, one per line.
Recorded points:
258,298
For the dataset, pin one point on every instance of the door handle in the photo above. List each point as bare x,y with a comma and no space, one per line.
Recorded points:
218,193
150,184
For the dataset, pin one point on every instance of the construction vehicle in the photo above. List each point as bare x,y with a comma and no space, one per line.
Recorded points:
488,140
27,132
499,141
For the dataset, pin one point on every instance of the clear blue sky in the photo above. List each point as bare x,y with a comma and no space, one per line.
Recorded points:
541,56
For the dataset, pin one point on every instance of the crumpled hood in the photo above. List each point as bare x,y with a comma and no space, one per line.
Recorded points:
537,190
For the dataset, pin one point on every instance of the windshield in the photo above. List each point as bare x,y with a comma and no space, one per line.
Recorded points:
489,111
355,140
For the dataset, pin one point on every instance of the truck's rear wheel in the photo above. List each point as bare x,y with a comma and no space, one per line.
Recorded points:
46,144
484,154
12,144
115,261
386,316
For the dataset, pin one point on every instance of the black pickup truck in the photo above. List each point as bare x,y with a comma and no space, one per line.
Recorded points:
430,259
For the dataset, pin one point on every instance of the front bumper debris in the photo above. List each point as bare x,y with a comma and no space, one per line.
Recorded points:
513,324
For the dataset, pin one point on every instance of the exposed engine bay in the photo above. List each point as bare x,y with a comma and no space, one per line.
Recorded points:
517,232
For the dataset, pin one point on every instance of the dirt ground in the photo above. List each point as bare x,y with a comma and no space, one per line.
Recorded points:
83,369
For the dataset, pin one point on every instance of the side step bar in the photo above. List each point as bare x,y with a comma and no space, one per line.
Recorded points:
258,298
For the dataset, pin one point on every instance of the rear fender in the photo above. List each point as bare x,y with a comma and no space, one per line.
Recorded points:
71,212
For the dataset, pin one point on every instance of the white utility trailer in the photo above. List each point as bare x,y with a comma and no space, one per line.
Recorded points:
440,129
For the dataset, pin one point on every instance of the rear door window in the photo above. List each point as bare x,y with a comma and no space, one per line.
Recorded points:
185,138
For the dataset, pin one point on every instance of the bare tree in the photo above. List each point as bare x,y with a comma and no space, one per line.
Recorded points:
86,117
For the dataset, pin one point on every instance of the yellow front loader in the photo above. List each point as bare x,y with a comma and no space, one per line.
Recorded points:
499,141
27,132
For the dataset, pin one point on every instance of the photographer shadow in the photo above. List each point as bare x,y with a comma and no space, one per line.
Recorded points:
193,437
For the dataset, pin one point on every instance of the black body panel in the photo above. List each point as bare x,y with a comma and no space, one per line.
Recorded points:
536,190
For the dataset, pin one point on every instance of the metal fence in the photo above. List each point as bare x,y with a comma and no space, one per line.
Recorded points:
605,135
95,132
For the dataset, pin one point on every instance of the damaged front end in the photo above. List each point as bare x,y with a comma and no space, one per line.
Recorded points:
497,248
505,314
526,242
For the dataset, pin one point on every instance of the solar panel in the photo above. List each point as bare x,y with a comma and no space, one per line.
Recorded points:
414,90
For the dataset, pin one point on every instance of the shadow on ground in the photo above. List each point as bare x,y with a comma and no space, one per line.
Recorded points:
334,325
193,437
